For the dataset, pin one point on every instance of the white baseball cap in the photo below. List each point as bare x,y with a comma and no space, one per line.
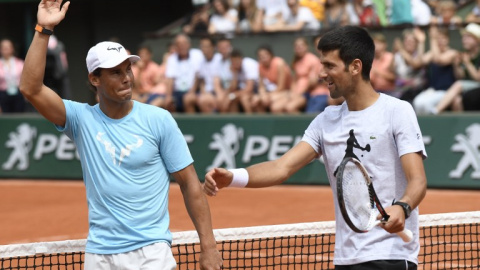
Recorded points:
107,54
472,29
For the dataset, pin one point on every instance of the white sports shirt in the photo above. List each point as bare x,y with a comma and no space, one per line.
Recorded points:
391,129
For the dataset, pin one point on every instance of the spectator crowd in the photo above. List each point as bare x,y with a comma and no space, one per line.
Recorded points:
218,78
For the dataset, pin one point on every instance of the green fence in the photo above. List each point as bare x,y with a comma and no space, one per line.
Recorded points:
30,147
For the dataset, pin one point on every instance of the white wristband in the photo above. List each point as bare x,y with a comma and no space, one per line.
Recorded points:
240,178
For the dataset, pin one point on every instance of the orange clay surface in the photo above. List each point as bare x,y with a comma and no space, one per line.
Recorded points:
38,210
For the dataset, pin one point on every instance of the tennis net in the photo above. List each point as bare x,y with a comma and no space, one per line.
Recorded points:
448,241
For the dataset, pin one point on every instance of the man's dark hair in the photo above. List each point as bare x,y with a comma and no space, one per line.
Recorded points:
221,39
236,53
267,48
211,40
353,43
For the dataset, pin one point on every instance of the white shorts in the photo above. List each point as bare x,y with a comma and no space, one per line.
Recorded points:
156,256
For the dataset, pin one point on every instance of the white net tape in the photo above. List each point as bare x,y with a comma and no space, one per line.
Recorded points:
186,237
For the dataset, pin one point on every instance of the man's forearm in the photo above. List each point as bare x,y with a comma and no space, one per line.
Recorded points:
415,192
34,68
199,212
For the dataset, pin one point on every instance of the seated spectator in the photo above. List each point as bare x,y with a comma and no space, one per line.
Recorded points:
11,100
272,11
382,74
435,4
446,16
474,15
223,81
274,81
147,75
182,67
400,12
381,10
409,68
335,14
305,86
362,13
224,19
198,22
249,17
467,68
316,6
441,75
421,13
205,99
299,18
245,83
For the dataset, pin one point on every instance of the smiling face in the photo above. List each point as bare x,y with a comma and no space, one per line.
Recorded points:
114,85
335,74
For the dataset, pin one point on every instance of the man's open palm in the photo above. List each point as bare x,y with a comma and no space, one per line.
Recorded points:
50,13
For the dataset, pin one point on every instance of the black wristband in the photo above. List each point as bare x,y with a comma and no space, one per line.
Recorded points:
407,210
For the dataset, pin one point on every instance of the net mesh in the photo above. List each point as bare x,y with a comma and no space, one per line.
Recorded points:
448,241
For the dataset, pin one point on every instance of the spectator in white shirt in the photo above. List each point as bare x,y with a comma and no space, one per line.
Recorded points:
298,18
223,80
209,69
249,17
421,13
272,11
245,81
224,19
182,67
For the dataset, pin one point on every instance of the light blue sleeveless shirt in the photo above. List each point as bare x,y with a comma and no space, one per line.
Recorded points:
126,165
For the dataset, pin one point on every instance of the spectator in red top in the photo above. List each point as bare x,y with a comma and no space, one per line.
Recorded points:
147,75
274,82
306,67
362,13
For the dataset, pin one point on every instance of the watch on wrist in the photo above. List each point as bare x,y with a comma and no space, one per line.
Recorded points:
407,210
43,30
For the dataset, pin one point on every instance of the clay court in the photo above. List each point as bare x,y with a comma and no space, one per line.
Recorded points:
38,210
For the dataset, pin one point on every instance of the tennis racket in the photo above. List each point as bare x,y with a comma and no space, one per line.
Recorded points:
358,201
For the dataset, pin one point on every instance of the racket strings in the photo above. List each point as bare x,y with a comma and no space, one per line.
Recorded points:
359,200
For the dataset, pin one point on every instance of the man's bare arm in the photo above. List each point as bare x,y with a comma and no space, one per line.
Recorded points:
44,99
264,174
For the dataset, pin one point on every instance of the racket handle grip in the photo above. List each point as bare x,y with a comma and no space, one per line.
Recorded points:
406,235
